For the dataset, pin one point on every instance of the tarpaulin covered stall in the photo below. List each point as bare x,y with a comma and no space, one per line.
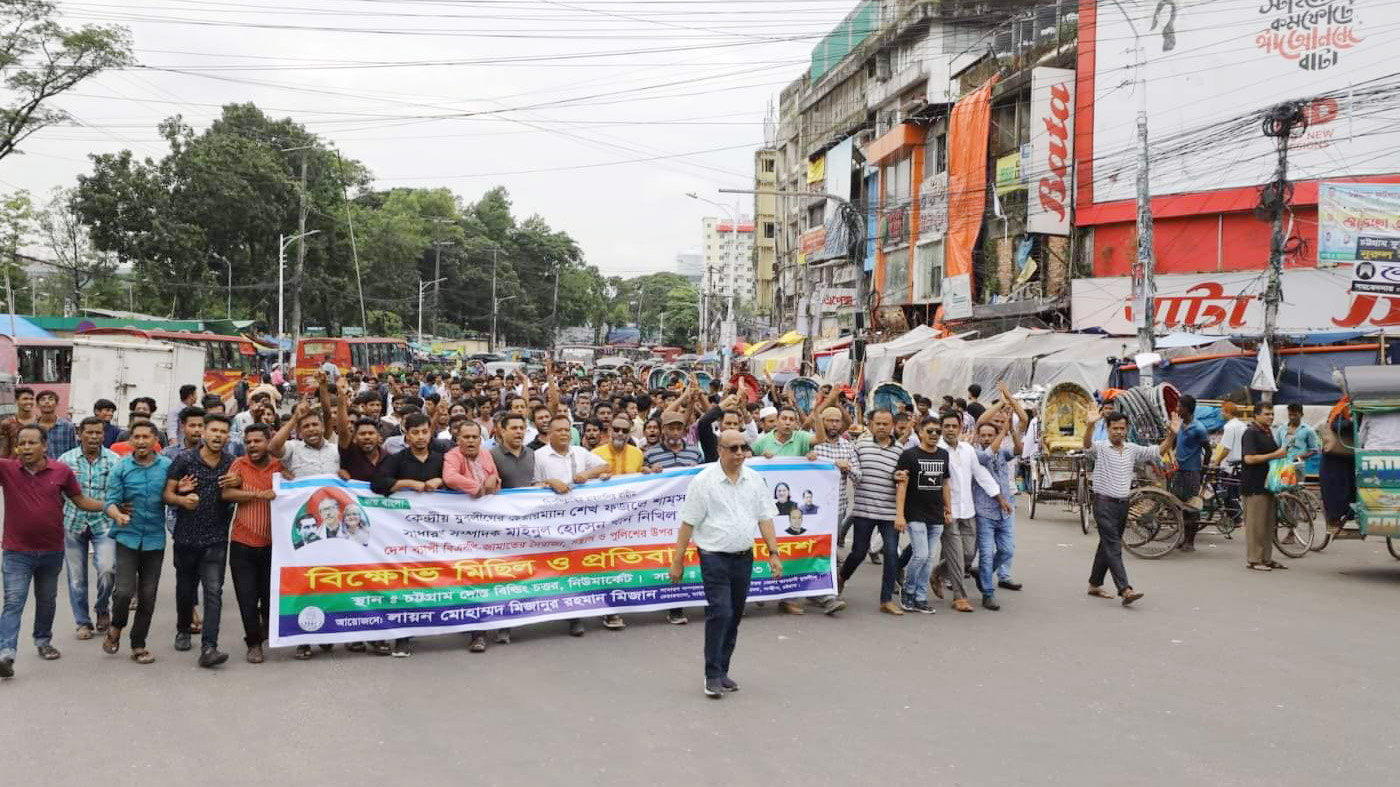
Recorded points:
1304,374
1021,357
880,358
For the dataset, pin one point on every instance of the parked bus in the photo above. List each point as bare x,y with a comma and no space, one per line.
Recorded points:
369,354
41,364
227,359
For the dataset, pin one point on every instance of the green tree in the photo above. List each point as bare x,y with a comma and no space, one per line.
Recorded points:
681,315
384,323
80,267
16,225
41,59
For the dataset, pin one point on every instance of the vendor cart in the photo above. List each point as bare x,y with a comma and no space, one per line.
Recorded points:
1061,470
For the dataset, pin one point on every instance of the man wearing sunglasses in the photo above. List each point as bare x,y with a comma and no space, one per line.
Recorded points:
622,457
722,506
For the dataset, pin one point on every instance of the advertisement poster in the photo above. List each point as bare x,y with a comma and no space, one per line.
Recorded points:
1360,223
349,565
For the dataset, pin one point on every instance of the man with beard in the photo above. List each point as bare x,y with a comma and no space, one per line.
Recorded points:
250,546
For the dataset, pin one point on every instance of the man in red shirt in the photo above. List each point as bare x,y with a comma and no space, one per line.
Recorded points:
33,540
250,546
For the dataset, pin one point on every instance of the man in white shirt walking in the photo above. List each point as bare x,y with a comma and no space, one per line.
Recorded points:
560,466
960,534
723,504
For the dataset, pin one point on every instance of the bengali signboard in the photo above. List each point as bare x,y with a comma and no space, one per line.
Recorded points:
1213,65
1314,301
350,565
1360,223
838,300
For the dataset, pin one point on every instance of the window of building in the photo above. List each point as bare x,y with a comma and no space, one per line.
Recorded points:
935,155
768,165
894,179
928,271
897,277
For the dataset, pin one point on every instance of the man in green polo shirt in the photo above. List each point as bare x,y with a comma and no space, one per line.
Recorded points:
785,439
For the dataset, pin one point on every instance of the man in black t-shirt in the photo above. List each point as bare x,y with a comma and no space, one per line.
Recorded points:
923,503
1260,507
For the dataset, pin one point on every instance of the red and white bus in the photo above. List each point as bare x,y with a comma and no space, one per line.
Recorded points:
369,354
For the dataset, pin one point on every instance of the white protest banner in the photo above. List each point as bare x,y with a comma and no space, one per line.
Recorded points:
349,565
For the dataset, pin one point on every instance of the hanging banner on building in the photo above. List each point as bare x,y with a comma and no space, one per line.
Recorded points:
1314,301
1049,170
816,170
838,174
350,565
933,207
1358,222
968,126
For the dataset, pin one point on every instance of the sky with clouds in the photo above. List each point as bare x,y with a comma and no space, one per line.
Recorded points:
598,115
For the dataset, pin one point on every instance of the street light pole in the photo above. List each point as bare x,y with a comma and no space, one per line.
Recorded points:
422,287
282,243
228,308
733,262
495,307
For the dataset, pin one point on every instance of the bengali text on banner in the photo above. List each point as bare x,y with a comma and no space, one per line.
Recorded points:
349,565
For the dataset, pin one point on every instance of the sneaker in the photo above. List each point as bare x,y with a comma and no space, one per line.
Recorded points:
576,628
478,643
728,684
255,655
503,637
403,648
676,617
923,608
907,604
182,641
212,657
989,602
613,623
833,605
7,668
714,689
876,558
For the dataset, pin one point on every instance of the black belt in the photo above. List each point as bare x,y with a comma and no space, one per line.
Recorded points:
741,553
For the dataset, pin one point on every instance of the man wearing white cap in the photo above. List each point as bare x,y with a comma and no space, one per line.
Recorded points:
767,419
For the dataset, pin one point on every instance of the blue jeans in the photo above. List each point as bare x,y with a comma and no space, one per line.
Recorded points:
725,576
924,543
19,568
104,562
995,545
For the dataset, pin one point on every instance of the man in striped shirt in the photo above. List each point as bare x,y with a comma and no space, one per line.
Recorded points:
250,547
873,508
1114,462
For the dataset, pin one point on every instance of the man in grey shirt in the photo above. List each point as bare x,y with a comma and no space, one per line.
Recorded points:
514,461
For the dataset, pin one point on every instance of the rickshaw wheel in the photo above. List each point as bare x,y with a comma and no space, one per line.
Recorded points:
1392,546
1035,494
1154,524
1321,540
1295,518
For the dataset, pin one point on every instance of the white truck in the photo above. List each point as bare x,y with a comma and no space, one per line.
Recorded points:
122,369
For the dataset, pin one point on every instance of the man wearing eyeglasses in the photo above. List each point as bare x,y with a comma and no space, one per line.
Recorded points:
721,507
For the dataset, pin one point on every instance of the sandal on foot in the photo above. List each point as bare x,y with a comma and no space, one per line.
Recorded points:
142,656
84,632
1259,567
49,653
1100,593
303,653
112,642
1276,565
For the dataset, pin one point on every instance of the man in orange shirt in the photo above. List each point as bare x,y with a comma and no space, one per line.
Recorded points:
250,547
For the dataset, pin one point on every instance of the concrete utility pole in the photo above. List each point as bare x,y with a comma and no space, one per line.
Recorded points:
492,347
1280,124
554,310
301,254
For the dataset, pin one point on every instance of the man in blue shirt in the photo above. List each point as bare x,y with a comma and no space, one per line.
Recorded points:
996,527
134,492
1192,442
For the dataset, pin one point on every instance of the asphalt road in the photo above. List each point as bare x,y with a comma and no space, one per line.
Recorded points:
1220,677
